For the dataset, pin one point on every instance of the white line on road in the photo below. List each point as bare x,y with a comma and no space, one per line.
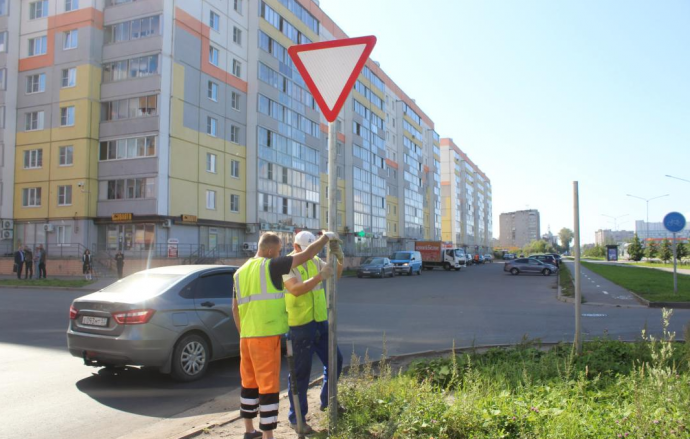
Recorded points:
606,292
598,286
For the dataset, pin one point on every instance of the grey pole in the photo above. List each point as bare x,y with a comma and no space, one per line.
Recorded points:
332,282
578,291
675,266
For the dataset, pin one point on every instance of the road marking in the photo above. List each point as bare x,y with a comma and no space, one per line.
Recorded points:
606,292
598,286
594,315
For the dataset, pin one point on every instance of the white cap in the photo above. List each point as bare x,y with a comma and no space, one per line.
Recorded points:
304,238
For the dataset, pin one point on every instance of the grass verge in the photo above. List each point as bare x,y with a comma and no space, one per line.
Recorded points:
613,390
681,264
565,280
67,283
653,285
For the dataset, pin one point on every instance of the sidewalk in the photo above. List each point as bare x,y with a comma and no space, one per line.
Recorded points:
98,284
599,290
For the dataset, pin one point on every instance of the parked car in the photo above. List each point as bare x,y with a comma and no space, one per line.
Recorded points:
176,319
526,265
407,262
547,259
489,258
558,258
508,256
376,267
479,259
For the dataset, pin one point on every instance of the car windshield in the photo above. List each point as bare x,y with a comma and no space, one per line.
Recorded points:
146,283
374,261
459,253
401,256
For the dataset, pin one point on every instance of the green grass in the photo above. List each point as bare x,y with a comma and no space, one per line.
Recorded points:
71,283
685,264
613,390
653,285
565,280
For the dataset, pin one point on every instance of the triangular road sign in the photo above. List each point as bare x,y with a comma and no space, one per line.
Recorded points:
330,69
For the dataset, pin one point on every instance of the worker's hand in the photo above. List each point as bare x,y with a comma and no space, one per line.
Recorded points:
331,235
337,250
326,272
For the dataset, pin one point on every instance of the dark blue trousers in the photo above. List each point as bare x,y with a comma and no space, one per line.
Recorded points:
308,340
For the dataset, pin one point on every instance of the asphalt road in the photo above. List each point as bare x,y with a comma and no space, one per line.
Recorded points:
49,394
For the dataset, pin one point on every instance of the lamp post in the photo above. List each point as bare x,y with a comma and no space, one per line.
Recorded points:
615,219
678,178
647,200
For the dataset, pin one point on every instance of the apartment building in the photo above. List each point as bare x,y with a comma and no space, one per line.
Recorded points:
466,201
143,122
607,236
657,232
519,228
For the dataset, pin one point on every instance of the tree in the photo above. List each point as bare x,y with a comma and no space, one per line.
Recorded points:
666,253
566,237
635,251
651,250
598,251
682,251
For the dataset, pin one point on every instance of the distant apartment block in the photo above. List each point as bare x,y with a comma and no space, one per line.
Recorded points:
518,229
657,231
609,237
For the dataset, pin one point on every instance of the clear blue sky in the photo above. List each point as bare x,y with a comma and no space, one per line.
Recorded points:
542,93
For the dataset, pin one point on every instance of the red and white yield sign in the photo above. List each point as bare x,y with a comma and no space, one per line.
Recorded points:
330,69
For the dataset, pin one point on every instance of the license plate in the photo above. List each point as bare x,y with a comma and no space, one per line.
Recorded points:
365,272
94,321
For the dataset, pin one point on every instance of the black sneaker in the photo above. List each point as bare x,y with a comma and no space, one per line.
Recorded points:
255,435
306,428
341,410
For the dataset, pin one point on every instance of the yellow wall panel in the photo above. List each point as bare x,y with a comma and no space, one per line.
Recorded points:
213,214
238,217
184,197
21,212
236,183
212,178
177,128
184,157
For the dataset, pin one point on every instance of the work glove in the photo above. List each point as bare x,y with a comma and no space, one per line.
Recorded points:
337,250
332,236
326,272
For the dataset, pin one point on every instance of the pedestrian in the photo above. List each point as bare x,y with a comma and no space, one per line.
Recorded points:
19,260
29,263
37,257
120,262
87,268
261,318
308,321
42,262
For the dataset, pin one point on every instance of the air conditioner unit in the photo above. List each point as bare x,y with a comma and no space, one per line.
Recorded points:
7,234
7,224
250,247
251,228
167,224
47,227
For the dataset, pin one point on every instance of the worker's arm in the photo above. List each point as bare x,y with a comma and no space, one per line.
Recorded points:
236,314
298,288
311,251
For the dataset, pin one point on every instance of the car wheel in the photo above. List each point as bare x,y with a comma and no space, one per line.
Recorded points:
419,273
392,273
446,266
190,358
546,272
409,272
514,271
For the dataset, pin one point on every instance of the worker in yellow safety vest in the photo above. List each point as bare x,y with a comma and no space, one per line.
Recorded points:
261,318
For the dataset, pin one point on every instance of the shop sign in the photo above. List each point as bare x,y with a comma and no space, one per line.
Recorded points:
120,217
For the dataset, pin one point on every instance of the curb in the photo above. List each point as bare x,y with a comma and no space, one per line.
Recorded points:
650,304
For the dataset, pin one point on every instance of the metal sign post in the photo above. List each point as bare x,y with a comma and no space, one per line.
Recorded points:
674,222
578,290
330,70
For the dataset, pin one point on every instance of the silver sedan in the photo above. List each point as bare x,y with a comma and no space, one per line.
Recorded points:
176,319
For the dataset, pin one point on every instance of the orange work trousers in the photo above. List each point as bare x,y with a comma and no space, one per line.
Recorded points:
260,363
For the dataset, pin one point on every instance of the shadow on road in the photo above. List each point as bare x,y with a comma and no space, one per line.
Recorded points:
147,392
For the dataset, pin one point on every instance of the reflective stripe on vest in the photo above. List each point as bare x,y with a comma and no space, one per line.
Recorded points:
310,306
261,304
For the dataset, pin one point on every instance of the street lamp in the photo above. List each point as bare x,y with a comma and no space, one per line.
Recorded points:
678,178
615,219
647,200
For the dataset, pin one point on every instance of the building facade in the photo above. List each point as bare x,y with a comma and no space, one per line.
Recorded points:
466,201
519,228
134,124
608,237
656,231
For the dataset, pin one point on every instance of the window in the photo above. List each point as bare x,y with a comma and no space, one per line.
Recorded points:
235,134
66,156
33,159
31,197
214,21
36,83
210,162
142,106
38,46
3,79
38,9
133,30
3,7
235,101
131,188
234,203
236,68
285,176
131,148
131,68
69,77
64,236
67,116
238,6
237,35
3,40
2,117
235,169
34,121
213,55
213,91
71,5
71,38
211,126
64,195
211,200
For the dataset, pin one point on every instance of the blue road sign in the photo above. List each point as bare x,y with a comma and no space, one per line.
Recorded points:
674,222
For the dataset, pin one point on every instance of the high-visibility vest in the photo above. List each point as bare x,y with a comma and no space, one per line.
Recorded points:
261,304
310,306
